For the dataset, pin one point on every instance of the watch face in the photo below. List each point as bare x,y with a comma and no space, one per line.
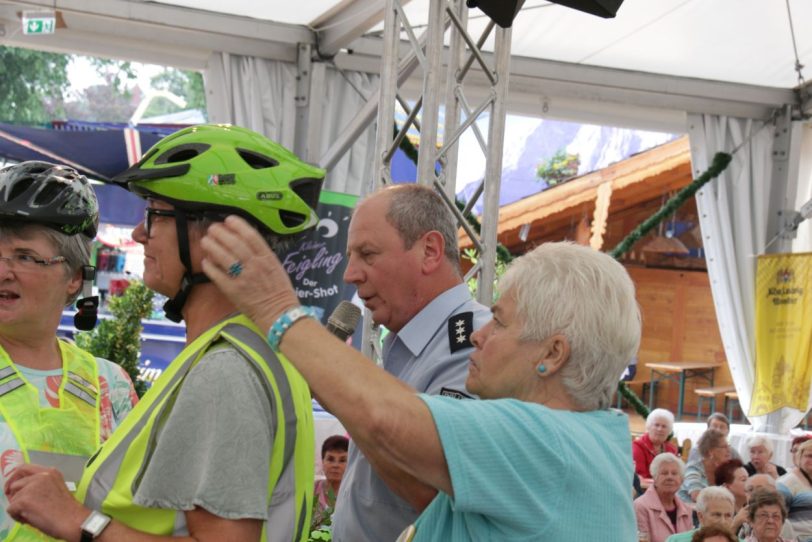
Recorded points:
95,522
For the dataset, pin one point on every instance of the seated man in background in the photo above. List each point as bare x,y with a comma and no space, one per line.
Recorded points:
721,423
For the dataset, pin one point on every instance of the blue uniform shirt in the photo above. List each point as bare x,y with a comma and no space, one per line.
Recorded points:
430,354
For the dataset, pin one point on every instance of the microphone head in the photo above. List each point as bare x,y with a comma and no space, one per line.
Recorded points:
344,319
87,310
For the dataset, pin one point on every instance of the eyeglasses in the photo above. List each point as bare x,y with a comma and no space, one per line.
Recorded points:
27,262
149,212
763,516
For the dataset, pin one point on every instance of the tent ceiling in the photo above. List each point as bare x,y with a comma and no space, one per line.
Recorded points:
649,65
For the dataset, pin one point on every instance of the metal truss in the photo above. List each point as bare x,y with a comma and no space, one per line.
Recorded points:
444,73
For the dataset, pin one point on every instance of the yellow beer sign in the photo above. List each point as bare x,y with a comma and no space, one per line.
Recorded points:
783,333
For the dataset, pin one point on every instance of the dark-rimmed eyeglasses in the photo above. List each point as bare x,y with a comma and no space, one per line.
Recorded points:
29,262
149,212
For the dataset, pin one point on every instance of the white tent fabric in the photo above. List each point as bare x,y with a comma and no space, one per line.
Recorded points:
734,211
260,94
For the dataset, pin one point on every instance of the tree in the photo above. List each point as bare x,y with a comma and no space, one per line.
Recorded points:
559,168
32,84
184,84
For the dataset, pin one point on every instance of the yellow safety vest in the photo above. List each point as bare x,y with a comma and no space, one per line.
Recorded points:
112,477
73,428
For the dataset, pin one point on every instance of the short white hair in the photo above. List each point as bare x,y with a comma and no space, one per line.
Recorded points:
660,414
666,457
589,298
758,440
714,493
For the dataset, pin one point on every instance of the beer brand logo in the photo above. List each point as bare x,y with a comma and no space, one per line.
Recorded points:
784,276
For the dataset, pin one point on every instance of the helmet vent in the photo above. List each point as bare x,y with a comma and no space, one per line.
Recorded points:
182,153
291,219
47,193
19,188
256,160
308,190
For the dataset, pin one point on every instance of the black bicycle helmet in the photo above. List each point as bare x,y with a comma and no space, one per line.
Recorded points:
51,195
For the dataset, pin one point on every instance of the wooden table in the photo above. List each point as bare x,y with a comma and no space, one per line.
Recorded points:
679,371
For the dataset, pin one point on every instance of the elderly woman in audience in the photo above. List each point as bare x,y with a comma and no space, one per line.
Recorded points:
721,423
767,514
713,451
659,512
520,463
653,442
796,488
796,442
761,451
731,474
741,523
714,506
714,533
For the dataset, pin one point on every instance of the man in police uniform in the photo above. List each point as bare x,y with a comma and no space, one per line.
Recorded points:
404,261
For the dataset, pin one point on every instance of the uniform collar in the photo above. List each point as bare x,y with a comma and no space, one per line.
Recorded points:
418,331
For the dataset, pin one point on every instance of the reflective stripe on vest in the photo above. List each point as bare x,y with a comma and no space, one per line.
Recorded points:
71,428
112,478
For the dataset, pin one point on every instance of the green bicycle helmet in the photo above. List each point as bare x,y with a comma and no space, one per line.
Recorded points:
213,170
219,169
51,195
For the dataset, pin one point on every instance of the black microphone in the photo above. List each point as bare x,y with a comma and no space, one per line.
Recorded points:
344,320
87,307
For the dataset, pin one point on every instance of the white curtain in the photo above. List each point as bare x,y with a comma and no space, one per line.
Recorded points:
734,210
260,94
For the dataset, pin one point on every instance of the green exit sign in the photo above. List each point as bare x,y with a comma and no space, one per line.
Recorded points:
39,22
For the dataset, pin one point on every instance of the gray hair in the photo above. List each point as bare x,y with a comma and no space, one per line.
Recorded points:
713,493
74,248
415,210
709,440
666,457
660,414
758,440
588,297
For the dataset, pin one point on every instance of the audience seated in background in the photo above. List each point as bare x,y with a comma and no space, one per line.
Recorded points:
333,464
713,451
659,424
796,488
713,533
761,451
767,514
659,512
721,423
741,523
732,475
714,506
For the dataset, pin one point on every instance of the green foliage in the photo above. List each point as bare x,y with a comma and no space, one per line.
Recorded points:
119,338
320,535
501,267
31,85
185,84
559,168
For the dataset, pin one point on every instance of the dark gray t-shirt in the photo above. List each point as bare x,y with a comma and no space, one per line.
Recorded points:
214,450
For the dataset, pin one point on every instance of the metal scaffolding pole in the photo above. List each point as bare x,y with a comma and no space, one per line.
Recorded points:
444,72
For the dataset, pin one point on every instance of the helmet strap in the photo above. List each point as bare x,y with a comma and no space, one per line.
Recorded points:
173,308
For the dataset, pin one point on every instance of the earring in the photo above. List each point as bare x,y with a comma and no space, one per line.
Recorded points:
541,369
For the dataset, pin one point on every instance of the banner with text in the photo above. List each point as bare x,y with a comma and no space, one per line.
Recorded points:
316,264
783,333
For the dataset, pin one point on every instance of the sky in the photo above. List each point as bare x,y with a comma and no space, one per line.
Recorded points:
82,74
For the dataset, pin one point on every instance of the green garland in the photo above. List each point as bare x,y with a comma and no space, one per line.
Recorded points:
720,162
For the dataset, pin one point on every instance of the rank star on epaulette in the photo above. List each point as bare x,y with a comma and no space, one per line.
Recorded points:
460,327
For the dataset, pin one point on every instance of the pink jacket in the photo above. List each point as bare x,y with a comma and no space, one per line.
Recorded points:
651,516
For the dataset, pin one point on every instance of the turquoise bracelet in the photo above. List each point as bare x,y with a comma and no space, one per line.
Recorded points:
283,323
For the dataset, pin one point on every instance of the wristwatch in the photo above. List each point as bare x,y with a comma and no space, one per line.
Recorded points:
93,526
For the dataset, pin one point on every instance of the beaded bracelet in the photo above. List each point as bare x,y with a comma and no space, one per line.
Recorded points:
284,322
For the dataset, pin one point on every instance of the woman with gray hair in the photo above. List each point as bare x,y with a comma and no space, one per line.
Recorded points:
761,452
58,402
714,506
520,464
653,442
659,512
714,450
